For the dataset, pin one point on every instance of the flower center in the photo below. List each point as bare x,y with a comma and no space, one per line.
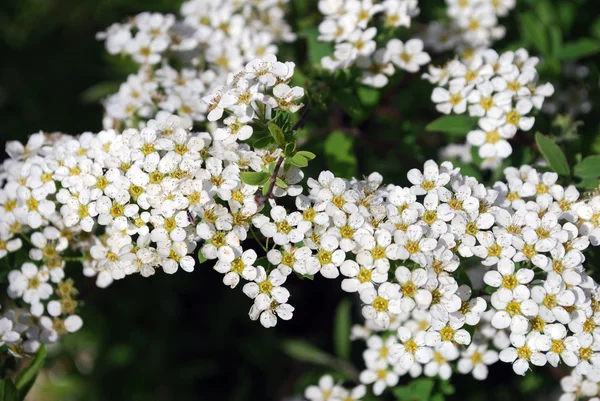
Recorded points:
380,304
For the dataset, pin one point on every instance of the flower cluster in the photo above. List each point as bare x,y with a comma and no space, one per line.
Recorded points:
330,391
405,251
133,202
211,40
502,91
350,24
473,26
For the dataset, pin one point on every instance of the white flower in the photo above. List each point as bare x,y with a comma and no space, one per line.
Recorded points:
450,100
413,245
493,248
240,266
359,276
29,283
380,303
322,392
558,345
512,310
429,181
378,374
411,286
476,359
409,56
522,352
412,348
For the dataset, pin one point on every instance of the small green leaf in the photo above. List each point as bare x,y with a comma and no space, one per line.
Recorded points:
316,49
28,375
277,134
341,330
306,352
534,32
290,148
298,160
8,391
415,390
280,183
201,256
553,154
339,154
588,167
368,96
253,178
307,155
454,125
263,143
578,49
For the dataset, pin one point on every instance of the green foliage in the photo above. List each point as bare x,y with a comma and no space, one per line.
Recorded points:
254,178
27,376
553,154
339,154
8,391
456,126
341,330
580,48
588,168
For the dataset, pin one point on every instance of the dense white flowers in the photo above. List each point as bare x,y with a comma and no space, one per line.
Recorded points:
350,25
500,90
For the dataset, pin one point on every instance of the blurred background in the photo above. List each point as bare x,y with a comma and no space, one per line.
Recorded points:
186,336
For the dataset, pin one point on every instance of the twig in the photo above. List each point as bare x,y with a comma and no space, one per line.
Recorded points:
262,198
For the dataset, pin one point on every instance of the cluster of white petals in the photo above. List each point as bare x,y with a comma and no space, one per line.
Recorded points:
210,40
501,90
130,202
351,26
473,26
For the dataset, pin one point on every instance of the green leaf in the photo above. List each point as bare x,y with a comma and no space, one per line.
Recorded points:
201,256
545,12
368,96
454,125
556,40
588,167
339,154
96,93
316,49
253,178
290,148
553,154
350,104
8,391
280,183
306,352
27,376
566,15
307,155
277,134
263,143
595,29
341,330
416,390
589,184
298,160
534,32
578,49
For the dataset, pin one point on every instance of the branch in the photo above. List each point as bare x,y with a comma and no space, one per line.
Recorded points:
262,198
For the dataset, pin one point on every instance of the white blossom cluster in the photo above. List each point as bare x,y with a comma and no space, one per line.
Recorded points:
502,91
130,202
328,390
473,26
182,60
405,252
350,24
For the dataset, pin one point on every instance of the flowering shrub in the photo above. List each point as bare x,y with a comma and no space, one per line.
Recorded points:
464,263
